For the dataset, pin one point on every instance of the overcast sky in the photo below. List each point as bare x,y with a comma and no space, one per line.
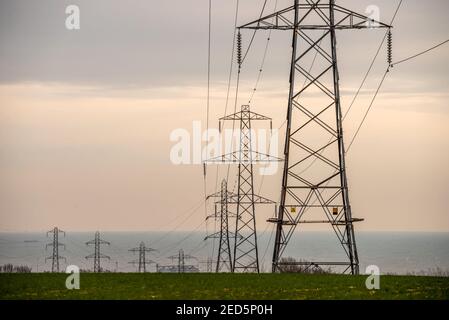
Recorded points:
85,115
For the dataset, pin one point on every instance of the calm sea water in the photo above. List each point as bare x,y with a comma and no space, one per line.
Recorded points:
392,252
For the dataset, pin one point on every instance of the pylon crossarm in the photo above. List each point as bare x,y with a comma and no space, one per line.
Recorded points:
344,19
244,157
218,195
250,115
56,230
257,200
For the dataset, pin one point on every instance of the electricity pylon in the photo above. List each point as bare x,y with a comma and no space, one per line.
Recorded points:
55,244
224,258
182,257
209,262
142,249
97,255
314,176
245,255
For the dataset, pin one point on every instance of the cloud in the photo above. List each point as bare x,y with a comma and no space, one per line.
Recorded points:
162,43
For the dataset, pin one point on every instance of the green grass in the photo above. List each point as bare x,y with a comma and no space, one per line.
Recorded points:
219,286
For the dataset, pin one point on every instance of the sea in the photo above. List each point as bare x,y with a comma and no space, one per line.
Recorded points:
392,252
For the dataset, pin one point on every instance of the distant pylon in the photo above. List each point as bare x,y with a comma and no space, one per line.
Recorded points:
142,249
97,256
245,256
209,264
55,244
224,258
182,257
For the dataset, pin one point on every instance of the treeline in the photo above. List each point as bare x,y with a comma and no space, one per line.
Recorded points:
291,265
9,268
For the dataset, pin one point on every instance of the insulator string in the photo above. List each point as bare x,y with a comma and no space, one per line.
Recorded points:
239,49
390,48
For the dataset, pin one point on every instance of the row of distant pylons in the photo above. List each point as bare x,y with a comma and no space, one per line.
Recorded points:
238,250
181,266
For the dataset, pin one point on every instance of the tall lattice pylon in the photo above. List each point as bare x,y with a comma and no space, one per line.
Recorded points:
314,183
142,261
97,255
245,252
55,245
224,256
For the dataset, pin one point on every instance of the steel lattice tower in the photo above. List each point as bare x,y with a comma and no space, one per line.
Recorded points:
209,264
182,257
142,249
55,244
224,257
314,177
246,255
245,251
97,255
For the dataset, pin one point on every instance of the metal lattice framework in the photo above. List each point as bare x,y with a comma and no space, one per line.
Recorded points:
245,253
224,257
55,245
314,184
143,261
97,255
182,257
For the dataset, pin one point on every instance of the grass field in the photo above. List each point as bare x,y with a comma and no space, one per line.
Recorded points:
219,286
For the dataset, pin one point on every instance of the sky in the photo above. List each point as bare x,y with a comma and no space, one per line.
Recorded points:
86,115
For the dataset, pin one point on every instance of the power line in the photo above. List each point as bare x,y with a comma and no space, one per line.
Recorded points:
173,245
231,65
263,61
232,58
254,33
198,247
421,53
240,60
208,107
268,244
164,235
364,79
367,111
208,63
362,83
373,61
198,203
380,85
